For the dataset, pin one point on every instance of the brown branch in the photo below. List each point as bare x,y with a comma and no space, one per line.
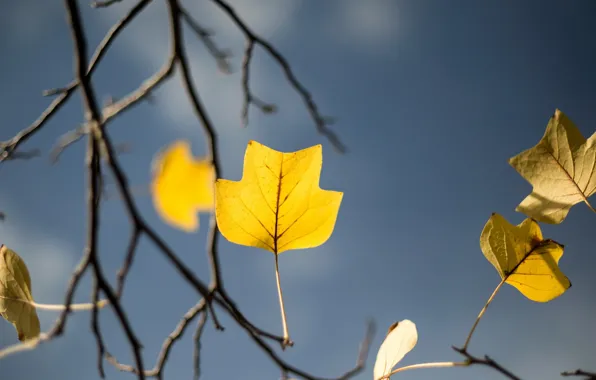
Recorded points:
486,361
93,117
164,353
197,348
580,372
8,148
321,122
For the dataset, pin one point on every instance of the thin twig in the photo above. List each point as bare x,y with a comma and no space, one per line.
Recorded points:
321,122
490,299
197,348
104,3
157,370
221,56
93,117
486,361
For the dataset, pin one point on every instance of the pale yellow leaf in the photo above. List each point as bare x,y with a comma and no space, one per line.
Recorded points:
561,169
15,295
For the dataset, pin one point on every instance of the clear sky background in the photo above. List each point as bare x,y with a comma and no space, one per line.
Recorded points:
432,98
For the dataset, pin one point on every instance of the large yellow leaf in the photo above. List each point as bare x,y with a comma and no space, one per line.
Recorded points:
182,186
523,258
561,169
278,205
15,295
401,339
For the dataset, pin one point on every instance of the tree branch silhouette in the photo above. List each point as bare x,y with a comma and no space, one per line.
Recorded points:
102,156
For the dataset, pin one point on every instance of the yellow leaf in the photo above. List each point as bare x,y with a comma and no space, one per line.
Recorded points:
523,258
401,339
561,169
182,186
15,295
278,205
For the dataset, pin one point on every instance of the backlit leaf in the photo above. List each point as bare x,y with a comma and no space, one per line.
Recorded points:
181,186
15,295
561,169
522,257
401,339
278,205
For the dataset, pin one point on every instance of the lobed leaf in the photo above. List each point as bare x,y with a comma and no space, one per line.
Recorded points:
561,169
523,258
278,204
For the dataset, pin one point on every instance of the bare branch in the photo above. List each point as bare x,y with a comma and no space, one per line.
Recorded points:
197,348
221,56
93,117
488,362
321,122
164,353
580,372
104,3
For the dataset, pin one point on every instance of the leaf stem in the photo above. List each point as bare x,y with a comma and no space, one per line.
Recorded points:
59,307
589,205
490,299
426,365
287,341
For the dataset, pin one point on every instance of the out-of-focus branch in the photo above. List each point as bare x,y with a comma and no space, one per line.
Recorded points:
322,123
221,56
104,3
580,372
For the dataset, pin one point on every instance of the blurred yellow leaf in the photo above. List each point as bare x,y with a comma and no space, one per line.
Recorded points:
561,169
181,186
278,205
523,258
15,295
401,339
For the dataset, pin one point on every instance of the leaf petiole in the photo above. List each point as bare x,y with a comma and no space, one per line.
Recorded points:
59,307
425,365
287,341
490,299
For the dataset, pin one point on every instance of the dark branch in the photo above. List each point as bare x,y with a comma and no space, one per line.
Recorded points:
488,362
580,372
321,122
93,117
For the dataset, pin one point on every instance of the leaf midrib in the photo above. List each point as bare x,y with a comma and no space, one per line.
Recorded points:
569,177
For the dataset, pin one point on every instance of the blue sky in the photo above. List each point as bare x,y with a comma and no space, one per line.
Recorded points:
431,98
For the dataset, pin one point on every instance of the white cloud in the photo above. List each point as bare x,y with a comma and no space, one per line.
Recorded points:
367,23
